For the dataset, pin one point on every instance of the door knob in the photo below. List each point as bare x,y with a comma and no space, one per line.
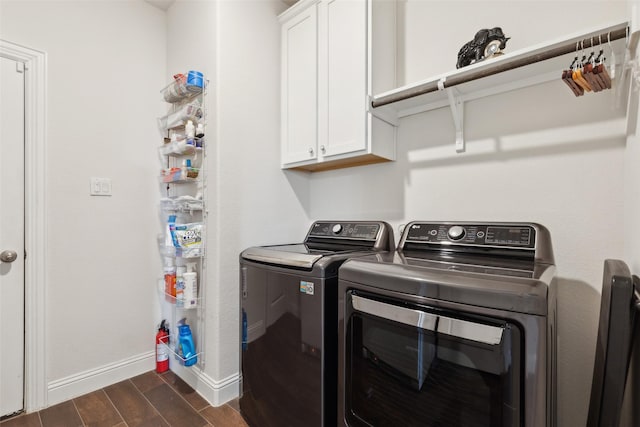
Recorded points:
8,256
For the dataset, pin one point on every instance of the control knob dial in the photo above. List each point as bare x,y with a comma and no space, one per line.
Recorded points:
456,232
337,229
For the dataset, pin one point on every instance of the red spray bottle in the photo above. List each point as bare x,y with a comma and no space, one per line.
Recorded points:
162,351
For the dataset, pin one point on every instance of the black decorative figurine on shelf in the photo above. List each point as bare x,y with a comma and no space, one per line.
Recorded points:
485,44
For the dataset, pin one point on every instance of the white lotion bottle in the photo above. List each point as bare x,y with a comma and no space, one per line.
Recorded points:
190,286
190,129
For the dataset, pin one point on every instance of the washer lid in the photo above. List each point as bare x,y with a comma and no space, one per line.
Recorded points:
442,260
297,255
291,255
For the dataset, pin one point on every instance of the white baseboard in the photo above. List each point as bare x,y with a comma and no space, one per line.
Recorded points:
216,392
95,379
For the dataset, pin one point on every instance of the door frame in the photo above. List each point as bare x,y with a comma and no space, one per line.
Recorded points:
35,239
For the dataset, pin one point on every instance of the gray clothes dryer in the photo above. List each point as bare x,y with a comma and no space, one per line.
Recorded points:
289,308
456,329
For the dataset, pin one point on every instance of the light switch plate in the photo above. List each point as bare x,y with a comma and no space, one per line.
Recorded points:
100,186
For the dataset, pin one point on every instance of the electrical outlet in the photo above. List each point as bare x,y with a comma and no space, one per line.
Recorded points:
100,187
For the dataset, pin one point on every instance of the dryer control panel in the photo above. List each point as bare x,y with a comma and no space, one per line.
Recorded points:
502,235
346,230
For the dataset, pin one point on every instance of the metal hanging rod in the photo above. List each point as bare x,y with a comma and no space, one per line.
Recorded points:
453,80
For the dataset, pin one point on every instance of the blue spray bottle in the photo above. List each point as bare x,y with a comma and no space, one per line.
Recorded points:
186,344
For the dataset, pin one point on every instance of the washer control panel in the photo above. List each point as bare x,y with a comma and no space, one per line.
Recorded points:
490,235
346,230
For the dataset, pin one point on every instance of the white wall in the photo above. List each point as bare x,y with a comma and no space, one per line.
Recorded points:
259,204
250,200
106,63
631,180
632,232
537,154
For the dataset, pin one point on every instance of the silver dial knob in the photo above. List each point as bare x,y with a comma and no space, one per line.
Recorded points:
456,232
337,229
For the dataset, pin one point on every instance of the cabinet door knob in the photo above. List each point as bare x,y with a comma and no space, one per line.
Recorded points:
322,149
310,151
8,256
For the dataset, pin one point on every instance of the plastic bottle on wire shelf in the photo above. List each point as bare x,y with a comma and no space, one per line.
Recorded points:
170,281
199,135
200,130
187,346
190,130
190,286
195,81
168,237
180,285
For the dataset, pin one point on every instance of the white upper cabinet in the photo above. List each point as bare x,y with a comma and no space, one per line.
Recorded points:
331,64
299,80
342,80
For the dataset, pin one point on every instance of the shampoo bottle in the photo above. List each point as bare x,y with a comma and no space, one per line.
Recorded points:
186,345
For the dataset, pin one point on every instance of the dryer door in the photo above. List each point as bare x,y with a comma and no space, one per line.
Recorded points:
414,365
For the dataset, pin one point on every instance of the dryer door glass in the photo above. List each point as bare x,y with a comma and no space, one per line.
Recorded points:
414,365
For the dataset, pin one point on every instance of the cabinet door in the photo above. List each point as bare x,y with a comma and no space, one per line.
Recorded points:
299,87
342,76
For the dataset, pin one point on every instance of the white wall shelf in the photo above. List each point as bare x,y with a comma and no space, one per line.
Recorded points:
180,90
180,175
173,349
181,204
514,70
181,148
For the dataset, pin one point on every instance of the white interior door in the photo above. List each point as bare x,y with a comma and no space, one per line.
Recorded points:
11,236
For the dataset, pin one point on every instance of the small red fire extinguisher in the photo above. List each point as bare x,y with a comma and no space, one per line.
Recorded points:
162,352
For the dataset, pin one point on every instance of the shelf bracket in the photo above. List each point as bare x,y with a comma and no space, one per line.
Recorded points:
456,104
382,114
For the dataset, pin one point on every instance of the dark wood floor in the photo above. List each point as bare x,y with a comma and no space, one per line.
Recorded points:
148,400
